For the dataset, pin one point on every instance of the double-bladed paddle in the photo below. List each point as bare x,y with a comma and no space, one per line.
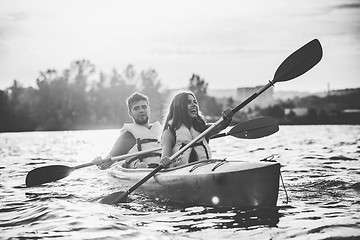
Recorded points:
255,128
299,62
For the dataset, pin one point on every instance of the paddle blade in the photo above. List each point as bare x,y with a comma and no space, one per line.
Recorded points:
47,174
255,128
116,197
299,62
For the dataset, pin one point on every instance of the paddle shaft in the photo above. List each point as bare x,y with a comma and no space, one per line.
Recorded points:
117,158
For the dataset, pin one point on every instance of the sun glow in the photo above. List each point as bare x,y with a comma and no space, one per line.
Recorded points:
215,200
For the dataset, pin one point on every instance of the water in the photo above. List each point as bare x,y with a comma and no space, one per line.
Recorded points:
320,169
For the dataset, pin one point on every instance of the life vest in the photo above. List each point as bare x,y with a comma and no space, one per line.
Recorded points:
199,151
146,139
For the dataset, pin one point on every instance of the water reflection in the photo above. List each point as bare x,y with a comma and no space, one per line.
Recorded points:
174,217
225,218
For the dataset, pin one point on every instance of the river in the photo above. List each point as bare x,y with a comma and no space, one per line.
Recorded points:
319,197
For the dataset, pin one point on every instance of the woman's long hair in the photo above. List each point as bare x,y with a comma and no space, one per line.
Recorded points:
177,114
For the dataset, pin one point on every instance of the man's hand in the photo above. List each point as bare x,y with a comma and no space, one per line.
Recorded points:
98,161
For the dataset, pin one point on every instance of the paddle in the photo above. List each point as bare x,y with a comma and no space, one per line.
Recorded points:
251,129
255,128
52,173
299,62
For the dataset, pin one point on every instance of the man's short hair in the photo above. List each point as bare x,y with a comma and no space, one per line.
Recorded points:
135,97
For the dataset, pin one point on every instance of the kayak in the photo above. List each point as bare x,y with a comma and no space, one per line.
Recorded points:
208,183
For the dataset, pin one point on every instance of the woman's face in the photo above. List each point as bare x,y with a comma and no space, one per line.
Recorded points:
192,106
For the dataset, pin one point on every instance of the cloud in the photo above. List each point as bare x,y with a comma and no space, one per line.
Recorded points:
17,16
201,50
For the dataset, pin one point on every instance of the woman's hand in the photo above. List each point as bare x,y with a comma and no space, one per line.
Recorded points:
227,113
165,161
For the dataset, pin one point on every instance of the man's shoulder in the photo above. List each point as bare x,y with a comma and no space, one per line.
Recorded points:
157,123
126,135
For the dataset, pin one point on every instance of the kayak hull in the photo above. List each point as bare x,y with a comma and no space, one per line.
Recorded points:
209,183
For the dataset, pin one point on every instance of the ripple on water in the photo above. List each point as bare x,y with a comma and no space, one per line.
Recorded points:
21,213
320,167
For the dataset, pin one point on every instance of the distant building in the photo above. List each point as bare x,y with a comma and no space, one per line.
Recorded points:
289,95
241,94
222,93
265,99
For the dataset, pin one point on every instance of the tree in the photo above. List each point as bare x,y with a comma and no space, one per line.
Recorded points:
61,102
197,85
312,115
5,112
80,71
230,102
108,103
18,107
52,107
130,74
275,111
150,85
208,105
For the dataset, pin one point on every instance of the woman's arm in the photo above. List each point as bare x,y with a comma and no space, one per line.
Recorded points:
167,144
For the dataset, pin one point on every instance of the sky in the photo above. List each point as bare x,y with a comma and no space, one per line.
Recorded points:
229,43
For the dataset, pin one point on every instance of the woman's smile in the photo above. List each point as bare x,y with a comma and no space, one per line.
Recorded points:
193,106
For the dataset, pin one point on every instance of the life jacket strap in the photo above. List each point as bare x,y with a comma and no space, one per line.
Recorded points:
140,142
193,157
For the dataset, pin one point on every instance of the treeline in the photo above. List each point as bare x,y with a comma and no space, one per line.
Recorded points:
78,98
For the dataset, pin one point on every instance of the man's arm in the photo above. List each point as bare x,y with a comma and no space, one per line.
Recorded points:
122,146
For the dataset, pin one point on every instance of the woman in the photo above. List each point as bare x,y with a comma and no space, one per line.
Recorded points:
183,123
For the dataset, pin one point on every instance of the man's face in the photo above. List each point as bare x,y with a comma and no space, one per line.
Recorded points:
140,112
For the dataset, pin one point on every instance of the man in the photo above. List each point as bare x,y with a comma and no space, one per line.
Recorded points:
137,136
